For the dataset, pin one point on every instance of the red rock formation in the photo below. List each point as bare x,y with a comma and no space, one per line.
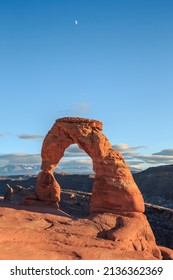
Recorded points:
29,235
47,187
114,188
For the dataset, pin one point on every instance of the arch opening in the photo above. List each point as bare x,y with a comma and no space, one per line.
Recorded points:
75,176
75,161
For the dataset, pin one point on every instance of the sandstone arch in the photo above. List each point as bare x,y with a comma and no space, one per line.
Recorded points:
114,188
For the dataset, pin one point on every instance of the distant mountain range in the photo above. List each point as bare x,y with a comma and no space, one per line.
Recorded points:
31,169
19,169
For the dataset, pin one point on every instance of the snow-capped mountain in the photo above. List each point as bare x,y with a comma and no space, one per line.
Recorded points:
21,169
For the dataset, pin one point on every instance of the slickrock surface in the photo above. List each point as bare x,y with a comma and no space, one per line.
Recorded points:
114,188
76,203
27,234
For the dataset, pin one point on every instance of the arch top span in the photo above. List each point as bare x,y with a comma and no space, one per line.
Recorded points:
114,188
77,120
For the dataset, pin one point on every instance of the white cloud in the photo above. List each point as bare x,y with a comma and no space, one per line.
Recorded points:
30,136
74,151
81,108
155,159
167,152
17,158
134,162
125,147
133,157
130,155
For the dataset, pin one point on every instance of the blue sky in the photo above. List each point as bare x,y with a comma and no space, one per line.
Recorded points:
115,65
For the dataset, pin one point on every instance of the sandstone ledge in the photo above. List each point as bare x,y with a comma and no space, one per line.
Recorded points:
27,234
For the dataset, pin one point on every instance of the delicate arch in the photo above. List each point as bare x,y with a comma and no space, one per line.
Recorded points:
114,188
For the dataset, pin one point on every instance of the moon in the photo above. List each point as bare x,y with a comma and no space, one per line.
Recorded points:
76,22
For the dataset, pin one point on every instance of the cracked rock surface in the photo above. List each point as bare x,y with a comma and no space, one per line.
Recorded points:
27,234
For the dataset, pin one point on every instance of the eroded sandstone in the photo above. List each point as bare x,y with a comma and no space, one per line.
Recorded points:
114,188
29,234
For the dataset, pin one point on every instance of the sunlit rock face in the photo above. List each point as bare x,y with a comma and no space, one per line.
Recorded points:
114,188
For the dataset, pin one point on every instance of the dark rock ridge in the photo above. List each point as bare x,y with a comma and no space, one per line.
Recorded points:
82,183
161,222
156,185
